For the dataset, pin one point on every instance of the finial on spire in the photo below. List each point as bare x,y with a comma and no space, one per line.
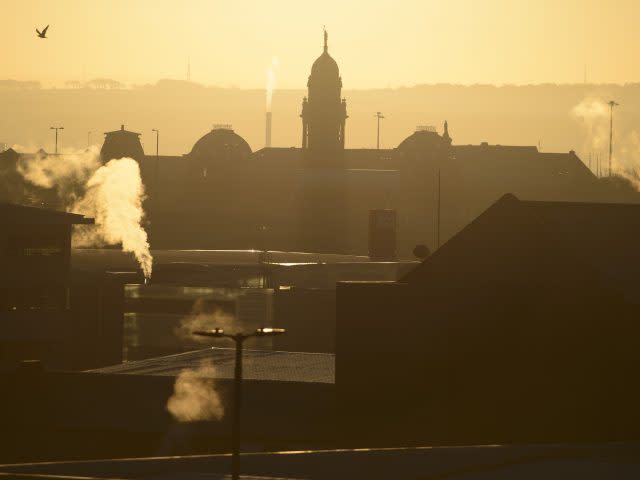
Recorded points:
326,36
445,136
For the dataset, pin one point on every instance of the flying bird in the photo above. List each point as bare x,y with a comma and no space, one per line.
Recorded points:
43,33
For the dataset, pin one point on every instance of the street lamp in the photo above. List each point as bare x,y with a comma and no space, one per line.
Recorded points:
157,158
239,339
379,116
611,104
56,129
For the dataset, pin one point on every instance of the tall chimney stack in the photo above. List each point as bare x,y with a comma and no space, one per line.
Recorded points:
267,142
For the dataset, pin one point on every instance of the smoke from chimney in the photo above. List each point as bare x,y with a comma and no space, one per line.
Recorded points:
112,194
271,81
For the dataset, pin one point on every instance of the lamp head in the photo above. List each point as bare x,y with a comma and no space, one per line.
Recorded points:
267,331
216,332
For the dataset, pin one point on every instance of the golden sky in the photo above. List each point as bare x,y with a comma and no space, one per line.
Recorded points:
376,43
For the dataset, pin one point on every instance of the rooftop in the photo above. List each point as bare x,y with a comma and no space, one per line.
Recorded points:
19,214
257,365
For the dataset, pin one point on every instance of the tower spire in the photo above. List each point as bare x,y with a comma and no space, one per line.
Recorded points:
326,36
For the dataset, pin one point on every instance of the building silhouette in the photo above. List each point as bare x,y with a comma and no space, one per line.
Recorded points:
67,320
324,111
317,198
520,328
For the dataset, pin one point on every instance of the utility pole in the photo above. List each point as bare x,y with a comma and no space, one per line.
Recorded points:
379,116
438,215
157,156
56,129
612,104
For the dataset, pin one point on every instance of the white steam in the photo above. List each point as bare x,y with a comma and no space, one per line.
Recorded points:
194,397
594,114
203,318
66,173
271,81
114,196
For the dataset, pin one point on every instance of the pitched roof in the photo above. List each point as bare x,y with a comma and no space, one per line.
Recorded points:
257,365
19,214
598,236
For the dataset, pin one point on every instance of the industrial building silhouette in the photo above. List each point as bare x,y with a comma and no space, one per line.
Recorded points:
317,198
520,327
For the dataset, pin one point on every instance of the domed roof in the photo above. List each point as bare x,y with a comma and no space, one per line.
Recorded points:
423,138
325,67
221,142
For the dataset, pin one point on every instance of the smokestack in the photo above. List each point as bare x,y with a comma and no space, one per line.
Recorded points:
267,142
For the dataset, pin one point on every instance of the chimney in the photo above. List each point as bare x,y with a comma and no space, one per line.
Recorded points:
267,142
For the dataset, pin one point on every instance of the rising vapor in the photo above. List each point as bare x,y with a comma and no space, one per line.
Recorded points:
271,81
68,174
203,318
593,114
114,196
194,397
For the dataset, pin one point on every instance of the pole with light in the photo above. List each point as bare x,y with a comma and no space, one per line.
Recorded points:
239,339
157,153
379,116
612,104
56,129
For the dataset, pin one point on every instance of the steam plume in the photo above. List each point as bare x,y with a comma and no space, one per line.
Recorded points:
111,193
194,397
271,81
114,196
203,318
68,175
594,113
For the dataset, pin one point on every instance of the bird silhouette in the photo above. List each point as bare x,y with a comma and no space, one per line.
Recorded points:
43,33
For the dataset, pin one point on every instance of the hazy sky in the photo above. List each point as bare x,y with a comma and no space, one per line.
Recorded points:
376,43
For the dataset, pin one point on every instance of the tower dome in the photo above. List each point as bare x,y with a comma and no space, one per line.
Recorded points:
325,66
324,70
324,111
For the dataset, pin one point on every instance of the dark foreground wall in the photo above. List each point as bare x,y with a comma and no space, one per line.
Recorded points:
49,415
484,363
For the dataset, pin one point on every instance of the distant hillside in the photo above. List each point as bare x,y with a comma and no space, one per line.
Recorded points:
184,111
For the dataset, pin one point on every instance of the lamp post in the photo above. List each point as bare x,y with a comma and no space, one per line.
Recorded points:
612,104
379,116
56,129
157,158
239,339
